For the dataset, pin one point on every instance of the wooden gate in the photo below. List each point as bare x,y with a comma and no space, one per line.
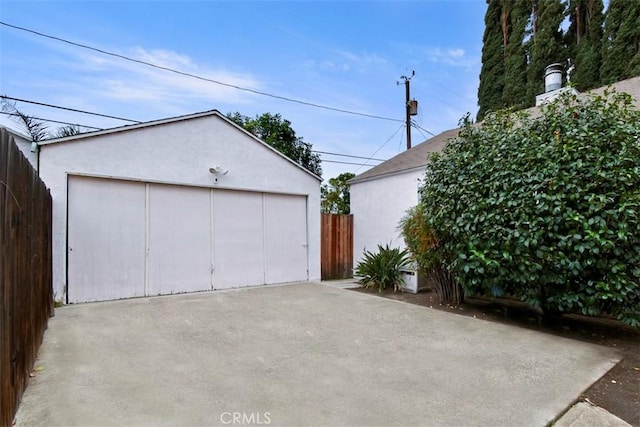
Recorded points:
26,299
336,246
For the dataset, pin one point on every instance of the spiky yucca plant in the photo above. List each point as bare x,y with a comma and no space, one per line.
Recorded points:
383,268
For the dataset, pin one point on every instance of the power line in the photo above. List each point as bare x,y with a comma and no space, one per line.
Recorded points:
346,163
442,101
414,124
53,121
346,155
182,73
380,148
400,143
449,90
68,109
421,133
130,120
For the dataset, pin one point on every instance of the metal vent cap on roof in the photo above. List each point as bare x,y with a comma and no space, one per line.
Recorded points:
553,77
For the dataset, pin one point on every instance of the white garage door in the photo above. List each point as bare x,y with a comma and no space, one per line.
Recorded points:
238,239
285,238
269,230
130,239
106,239
179,249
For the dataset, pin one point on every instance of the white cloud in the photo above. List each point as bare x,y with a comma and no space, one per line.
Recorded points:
343,61
143,82
329,65
164,58
456,57
456,53
116,78
364,58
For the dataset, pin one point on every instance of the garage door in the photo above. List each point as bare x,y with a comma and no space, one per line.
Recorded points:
128,239
268,230
238,230
285,238
179,250
106,239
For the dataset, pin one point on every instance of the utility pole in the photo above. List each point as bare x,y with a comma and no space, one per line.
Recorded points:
410,106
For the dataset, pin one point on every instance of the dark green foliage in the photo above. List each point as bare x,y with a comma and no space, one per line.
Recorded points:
492,72
335,195
546,209
278,133
587,73
634,65
545,46
383,268
621,41
584,41
523,37
515,21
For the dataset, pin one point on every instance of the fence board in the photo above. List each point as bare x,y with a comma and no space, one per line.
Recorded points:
336,246
25,272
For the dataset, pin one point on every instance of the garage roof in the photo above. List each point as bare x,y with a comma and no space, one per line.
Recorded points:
124,128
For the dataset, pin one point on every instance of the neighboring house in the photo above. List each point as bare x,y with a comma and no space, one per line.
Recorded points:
630,86
185,204
381,196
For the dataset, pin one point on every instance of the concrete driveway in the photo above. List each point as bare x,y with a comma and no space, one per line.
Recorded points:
298,355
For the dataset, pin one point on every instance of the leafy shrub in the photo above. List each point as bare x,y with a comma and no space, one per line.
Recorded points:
383,268
426,251
546,208
420,238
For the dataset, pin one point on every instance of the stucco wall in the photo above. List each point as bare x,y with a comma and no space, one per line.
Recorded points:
176,153
377,206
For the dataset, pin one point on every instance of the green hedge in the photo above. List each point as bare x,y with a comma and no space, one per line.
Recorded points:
546,208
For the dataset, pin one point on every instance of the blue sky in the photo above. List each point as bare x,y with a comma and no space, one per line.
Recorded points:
343,54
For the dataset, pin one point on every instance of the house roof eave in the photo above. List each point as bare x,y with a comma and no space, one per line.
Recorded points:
357,180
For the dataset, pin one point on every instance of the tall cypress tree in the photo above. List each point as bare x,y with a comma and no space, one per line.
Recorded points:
621,41
515,20
492,72
545,46
584,41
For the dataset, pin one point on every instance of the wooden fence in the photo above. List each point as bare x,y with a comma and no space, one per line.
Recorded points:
26,300
336,247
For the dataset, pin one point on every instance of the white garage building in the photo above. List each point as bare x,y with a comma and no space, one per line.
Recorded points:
185,204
